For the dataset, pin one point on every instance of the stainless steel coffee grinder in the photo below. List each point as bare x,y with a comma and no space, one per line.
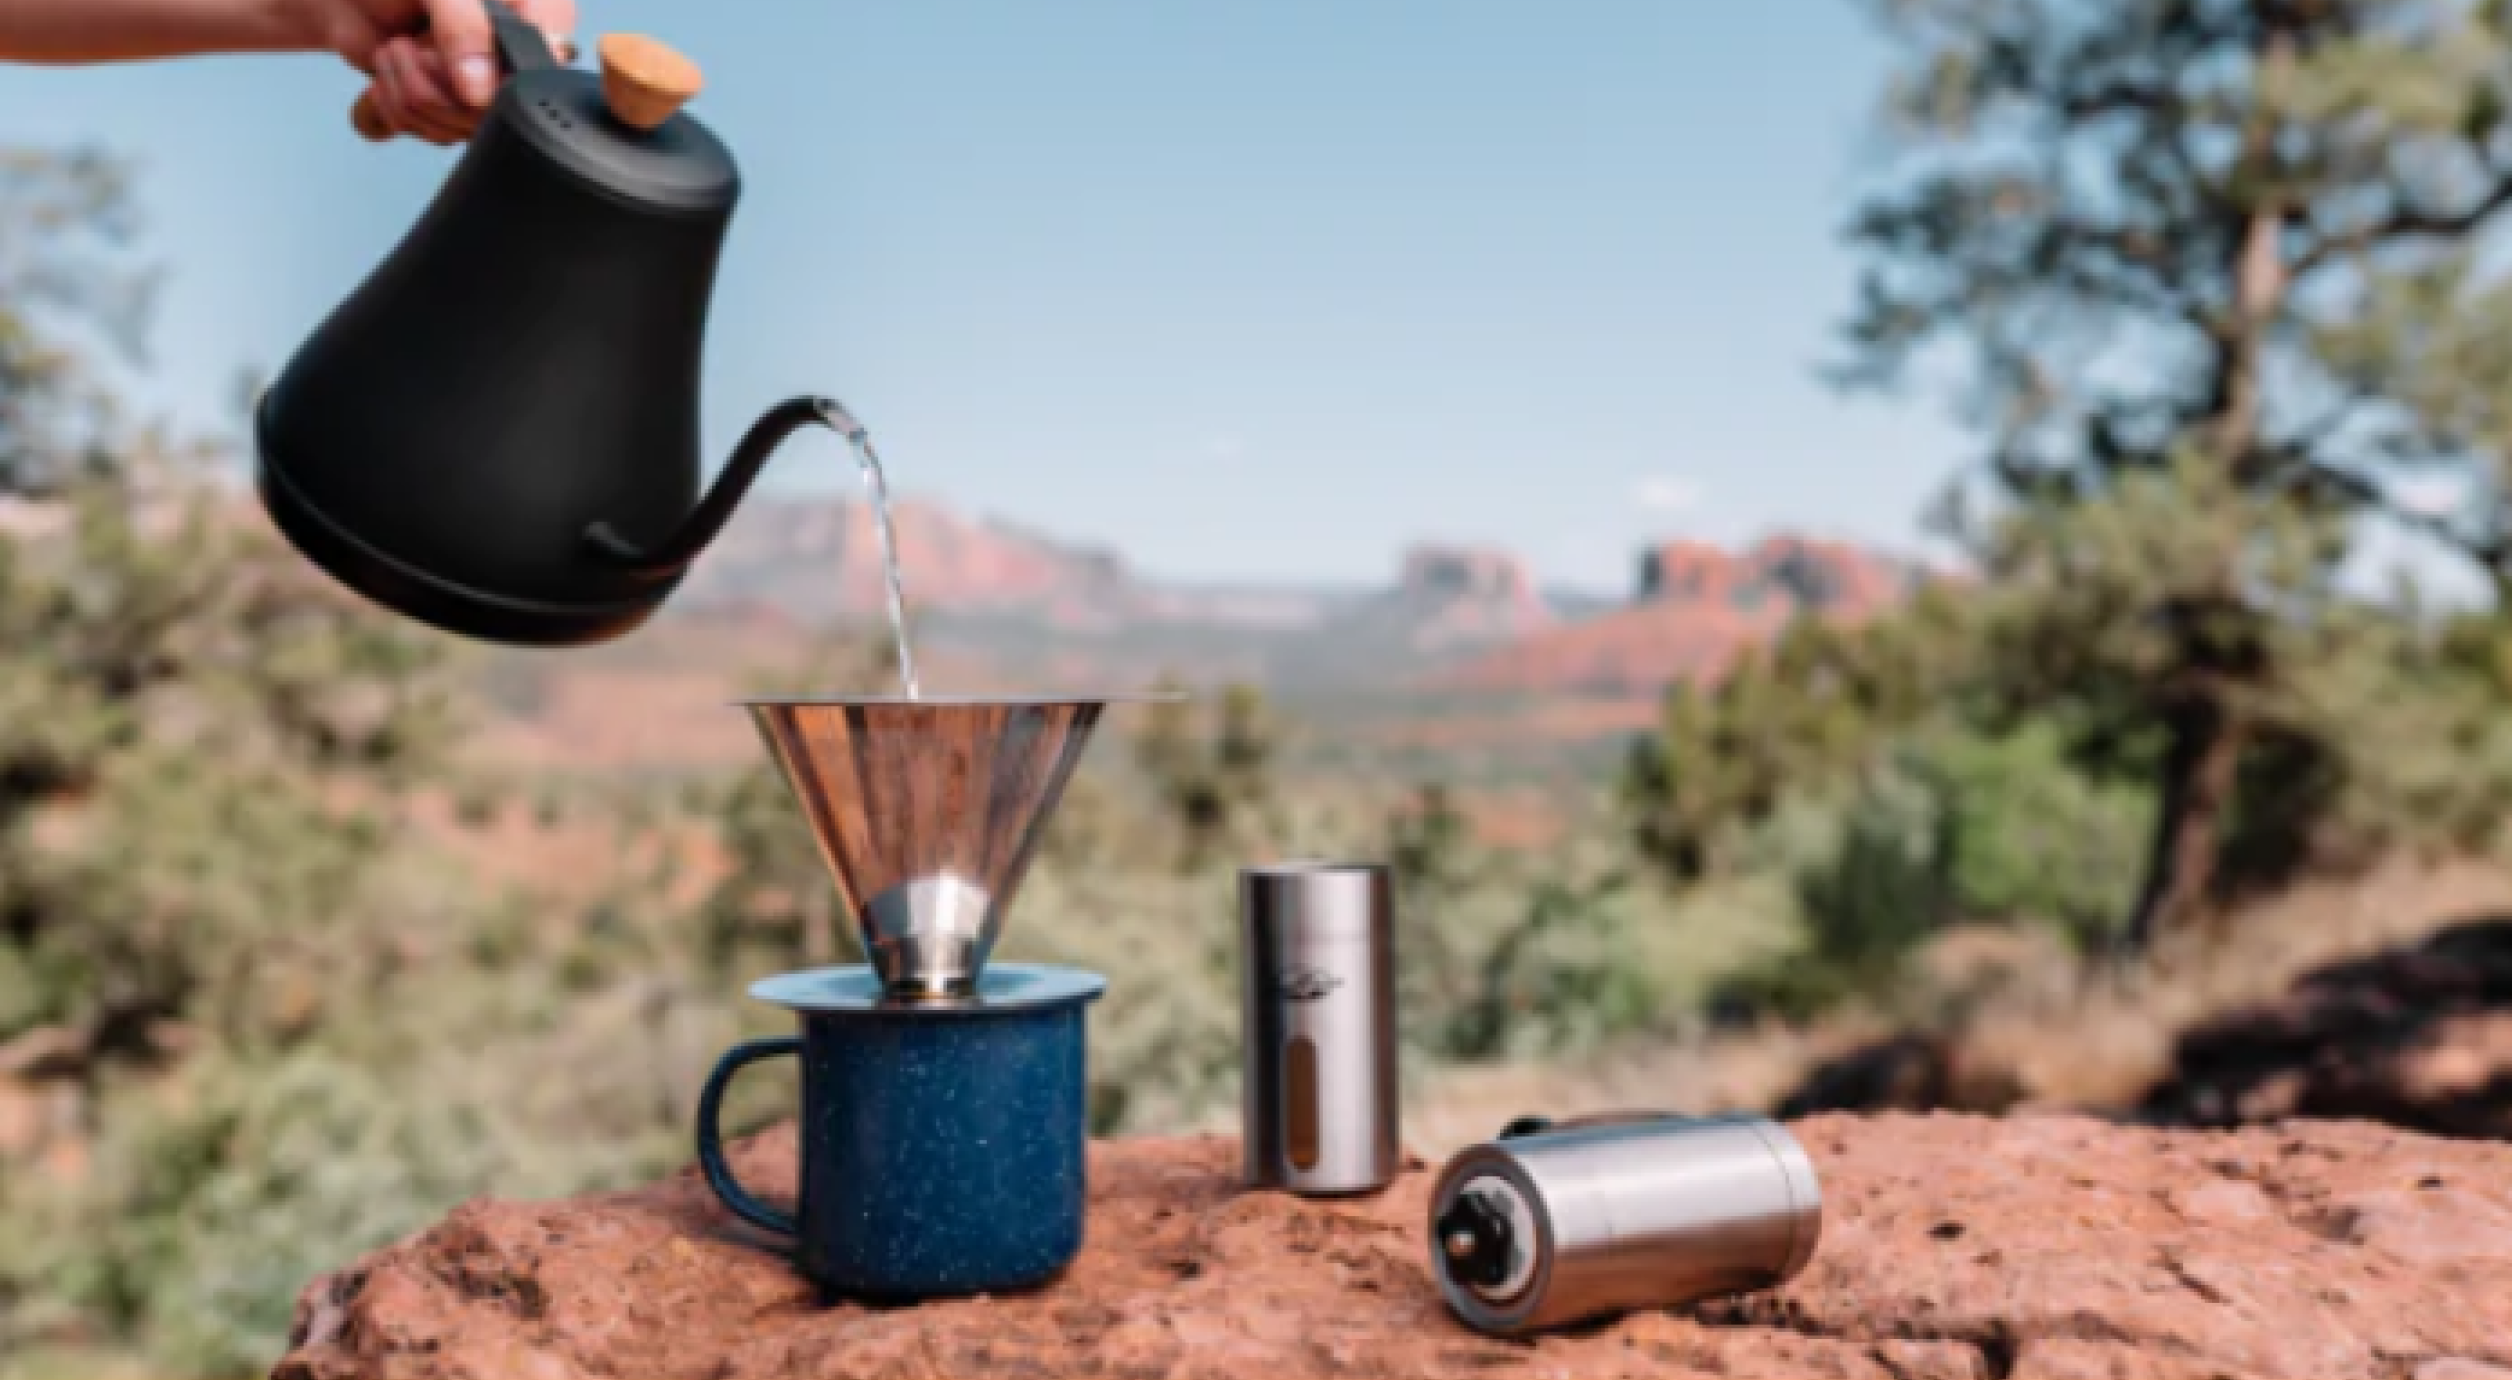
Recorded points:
1318,1028
1552,1224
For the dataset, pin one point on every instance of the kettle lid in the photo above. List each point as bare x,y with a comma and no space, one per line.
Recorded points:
623,131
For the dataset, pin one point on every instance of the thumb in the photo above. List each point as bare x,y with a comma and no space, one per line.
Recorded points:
462,37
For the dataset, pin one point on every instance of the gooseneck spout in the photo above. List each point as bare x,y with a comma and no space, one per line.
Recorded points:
675,553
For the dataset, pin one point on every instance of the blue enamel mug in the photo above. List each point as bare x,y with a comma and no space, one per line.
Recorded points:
941,1142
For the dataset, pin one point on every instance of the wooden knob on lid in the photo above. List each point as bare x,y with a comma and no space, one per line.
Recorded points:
644,80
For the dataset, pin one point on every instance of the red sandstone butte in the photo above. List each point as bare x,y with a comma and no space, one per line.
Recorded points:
1698,608
1953,1247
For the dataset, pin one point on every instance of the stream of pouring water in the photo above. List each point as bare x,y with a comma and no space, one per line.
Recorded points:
877,487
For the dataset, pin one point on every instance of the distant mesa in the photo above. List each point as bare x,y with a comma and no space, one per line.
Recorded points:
1467,571
1447,603
1463,595
1681,571
1806,574
820,561
1696,608
1452,617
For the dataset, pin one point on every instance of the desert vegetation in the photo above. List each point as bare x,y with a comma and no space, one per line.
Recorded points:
287,969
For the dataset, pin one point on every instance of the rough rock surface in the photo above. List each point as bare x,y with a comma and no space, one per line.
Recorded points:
1954,1247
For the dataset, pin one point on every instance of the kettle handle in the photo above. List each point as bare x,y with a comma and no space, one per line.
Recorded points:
666,560
520,48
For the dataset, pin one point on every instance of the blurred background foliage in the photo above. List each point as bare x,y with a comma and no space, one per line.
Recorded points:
2210,270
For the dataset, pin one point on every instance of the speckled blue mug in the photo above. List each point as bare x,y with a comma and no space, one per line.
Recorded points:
941,1142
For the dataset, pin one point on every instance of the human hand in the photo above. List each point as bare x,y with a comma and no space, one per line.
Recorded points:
432,61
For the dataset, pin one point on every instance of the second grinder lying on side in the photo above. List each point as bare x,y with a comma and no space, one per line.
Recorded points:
1552,1224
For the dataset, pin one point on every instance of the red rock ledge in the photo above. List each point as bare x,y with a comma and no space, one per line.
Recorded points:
1953,1247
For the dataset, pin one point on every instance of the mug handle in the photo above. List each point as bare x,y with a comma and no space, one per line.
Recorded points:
719,1175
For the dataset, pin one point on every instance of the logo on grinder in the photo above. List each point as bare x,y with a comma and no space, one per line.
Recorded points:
1305,984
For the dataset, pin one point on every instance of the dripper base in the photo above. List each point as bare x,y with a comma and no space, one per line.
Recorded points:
929,939
857,990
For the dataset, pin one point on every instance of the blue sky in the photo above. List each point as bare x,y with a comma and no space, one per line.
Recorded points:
1245,289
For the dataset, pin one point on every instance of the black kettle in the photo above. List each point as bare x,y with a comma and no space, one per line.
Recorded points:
497,433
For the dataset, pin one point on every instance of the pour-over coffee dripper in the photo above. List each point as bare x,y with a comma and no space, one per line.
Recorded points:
927,812
944,1102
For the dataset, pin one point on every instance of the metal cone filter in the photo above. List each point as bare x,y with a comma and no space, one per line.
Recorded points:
927,813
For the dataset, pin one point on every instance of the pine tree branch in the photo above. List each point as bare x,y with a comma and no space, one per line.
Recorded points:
2141,97
2407,224
2492,553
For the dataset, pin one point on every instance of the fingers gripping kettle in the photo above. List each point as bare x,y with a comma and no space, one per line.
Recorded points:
497,432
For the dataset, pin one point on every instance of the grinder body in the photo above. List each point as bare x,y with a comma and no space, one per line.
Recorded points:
1318,1028
1552,1225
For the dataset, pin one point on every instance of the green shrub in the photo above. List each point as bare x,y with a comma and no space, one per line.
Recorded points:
1950,827
221,1194
2032,838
